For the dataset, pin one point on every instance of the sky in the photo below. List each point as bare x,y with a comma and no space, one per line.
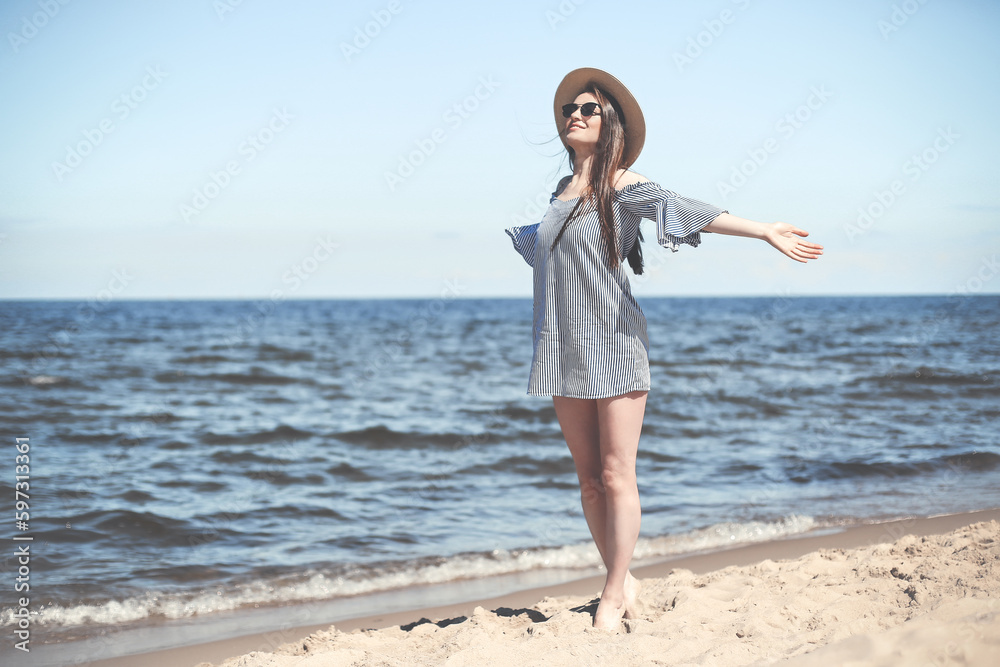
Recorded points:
253,149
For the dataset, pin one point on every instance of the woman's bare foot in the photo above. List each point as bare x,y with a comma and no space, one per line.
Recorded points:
632,589
611,610
609,614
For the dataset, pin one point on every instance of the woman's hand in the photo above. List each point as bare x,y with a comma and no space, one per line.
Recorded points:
784,237
781,235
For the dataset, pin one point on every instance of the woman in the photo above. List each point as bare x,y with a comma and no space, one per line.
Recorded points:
590,343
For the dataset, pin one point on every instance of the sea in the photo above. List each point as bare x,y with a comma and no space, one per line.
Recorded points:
233,461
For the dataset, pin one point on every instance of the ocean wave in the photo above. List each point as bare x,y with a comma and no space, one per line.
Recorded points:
924,375
245,456
155,417
279,477
956,463
350,473
149,527
89,438
279,512
40,381
197,486
137,496
279,433
383,437
860,356
509,413
351,580
269,352
176,444
206,359
523,465
255,376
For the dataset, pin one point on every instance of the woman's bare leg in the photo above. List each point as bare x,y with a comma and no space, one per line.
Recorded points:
579,420
620,422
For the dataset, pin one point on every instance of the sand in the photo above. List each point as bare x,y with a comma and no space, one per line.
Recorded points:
920,600
902,593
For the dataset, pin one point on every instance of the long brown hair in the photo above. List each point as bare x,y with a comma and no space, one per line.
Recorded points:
600,190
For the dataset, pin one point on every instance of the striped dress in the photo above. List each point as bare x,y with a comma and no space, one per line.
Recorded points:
589,333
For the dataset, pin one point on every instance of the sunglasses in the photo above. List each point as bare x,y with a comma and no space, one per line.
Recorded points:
586,110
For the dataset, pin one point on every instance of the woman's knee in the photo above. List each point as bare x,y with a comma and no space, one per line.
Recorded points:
591,489
618,477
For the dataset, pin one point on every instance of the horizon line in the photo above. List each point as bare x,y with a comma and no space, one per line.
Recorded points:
486,297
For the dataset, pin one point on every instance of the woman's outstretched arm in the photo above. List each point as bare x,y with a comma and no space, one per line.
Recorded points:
781,235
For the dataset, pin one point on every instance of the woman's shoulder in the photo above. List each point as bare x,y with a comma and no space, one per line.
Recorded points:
626,178
625,181
561,185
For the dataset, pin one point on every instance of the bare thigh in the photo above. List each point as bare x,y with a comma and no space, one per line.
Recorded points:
620,423
578,421
601,433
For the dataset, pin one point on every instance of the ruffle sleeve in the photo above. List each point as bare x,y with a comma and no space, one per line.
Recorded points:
525,236
678,219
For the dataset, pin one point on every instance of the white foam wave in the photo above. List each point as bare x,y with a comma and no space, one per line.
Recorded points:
722,535
320,586
39,380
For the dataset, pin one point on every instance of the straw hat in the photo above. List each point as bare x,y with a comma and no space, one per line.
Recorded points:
635,126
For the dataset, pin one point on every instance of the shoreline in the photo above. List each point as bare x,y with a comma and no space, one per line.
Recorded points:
785,548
